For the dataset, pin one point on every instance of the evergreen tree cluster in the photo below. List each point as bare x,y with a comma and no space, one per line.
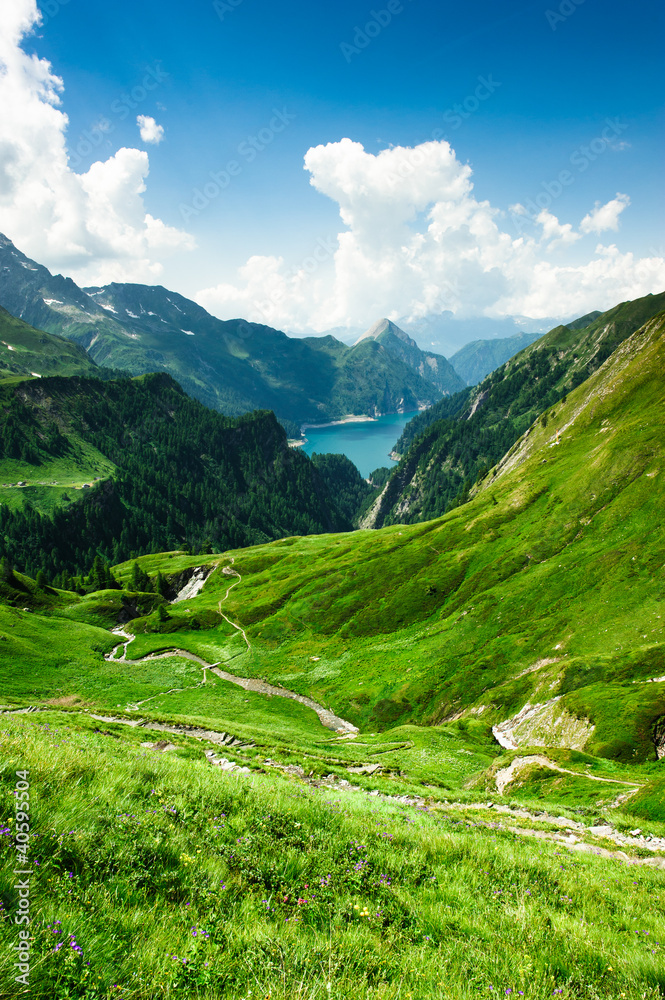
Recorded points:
379,477
453,444
18,433
187,477
344,483
448,447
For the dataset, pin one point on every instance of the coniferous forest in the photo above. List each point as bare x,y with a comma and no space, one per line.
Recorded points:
186,476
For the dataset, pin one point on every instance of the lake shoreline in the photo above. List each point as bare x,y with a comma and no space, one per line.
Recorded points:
366,441
350,419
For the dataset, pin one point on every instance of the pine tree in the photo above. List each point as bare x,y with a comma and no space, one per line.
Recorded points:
7,571
161,586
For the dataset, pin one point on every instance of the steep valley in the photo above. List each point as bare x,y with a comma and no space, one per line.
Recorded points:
427,756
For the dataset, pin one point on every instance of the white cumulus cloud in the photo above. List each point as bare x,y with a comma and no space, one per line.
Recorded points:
605,217
93,226
555,234
417,241
149,129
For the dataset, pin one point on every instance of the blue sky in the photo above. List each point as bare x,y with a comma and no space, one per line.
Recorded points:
537,84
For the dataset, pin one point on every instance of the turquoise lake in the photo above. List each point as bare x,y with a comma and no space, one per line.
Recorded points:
367,444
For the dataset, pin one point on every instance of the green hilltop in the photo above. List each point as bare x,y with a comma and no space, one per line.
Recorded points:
448,447
26,352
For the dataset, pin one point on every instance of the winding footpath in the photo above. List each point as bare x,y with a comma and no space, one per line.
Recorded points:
508,774
119,655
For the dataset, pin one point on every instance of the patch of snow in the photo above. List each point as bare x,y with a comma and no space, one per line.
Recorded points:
133,315
53,302
36,374
188,332
27,266
109,308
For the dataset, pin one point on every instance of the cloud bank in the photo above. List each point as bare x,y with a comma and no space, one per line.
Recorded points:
418,241
93,225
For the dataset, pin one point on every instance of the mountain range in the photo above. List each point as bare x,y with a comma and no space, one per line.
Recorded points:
480,357
532,611
232,366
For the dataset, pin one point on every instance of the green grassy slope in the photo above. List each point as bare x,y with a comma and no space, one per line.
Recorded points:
546,588
156,876
175,879
548,584
25,351
447,447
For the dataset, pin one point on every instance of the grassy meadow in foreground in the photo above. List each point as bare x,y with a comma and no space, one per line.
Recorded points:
155,876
